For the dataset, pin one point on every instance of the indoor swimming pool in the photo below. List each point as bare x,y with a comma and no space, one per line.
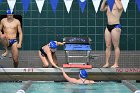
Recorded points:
65,87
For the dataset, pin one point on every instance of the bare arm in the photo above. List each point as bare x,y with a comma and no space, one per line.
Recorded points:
92,82
1,26
119,4
60,43
50,58
72,80
20,34
103,6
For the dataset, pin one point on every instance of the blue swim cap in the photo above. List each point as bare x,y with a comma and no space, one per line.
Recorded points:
9,12
53,44
83,73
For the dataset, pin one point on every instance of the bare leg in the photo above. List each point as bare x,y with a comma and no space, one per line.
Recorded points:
44,60
116,39
108,47
4,42
15,55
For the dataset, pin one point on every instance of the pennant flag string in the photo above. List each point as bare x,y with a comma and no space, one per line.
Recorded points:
54,4
11,4
82,4
110,4
40,4
25,5
96,4
68,4
138,4
0,2
125,4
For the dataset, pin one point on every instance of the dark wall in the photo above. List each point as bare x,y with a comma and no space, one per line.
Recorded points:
39,29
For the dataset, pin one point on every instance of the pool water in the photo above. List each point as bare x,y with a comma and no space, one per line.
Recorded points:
137,85
65,87
9,87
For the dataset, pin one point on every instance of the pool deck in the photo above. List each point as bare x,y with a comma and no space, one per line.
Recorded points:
28,59
54,74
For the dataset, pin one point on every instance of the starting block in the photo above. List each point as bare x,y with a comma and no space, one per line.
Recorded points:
77,48
77,66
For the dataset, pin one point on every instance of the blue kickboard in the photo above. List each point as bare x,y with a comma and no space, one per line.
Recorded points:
77,47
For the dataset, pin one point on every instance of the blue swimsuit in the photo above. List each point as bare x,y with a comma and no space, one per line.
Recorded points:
11,42
111,27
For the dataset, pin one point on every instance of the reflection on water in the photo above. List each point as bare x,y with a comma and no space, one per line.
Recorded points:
65,87
9,87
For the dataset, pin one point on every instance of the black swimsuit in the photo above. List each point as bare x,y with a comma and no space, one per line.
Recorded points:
43,53
111,27
84,81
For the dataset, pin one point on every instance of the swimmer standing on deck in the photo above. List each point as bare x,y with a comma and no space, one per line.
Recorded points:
8,38
113,30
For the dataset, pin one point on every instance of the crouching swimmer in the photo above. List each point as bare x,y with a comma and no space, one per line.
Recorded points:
47,53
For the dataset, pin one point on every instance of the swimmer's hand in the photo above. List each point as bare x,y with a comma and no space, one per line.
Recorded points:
58,68
62,69
18,45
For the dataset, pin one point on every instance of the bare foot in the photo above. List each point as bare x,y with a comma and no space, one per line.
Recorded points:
106,66
114,66
4,54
